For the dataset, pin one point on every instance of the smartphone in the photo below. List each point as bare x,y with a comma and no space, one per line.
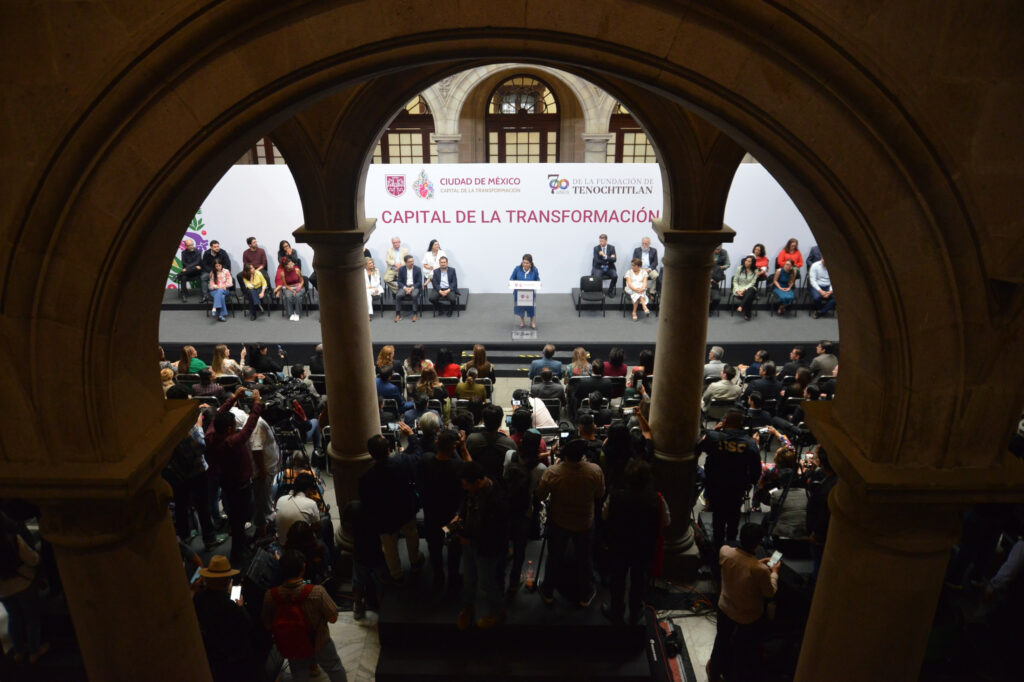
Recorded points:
248,394
776,558
195,577
564,435
236,592
628,411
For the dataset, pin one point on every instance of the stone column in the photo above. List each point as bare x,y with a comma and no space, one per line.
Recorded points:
678,376
348,355
129,599
595,147
447,147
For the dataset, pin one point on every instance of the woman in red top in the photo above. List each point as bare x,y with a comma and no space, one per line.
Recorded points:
288,286
760,261
790,252
445,367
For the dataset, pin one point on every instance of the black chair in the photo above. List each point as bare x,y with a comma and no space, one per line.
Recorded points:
188,380
319,383
591,291
434,404
456,306
554,406
732,301
410,384
716,409
488,385
228,381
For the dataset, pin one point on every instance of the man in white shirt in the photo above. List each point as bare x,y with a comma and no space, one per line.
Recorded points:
297,507
265,463
821,289
410,283
395,258
723,389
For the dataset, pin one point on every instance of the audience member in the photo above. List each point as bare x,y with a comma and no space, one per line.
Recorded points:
416,361
723,389
223,365
547,360
825,361
485,370
207,387
603,263
580,365
482,528
733,464
227,452
446,367
595,382
757,417
766,384
522,474
715,363
316,360
229,635
441,494
298,505
796,361
540,417
303,537
266,362
303,640
754,369
166,380
615,365
721,264
489,447
386,390
388,496
575,487
367,557
634,516
410,286
548,388
818,513
470,389
190,484
412,416
746,583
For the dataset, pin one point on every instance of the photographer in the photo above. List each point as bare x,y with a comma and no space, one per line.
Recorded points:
733,464
265,362
482,528
540,416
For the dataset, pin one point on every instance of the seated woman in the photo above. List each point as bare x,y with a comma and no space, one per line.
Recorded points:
470,389
790,252
445,367
417,360
802,381
636,284
430,386
166,379
744,286
760,261
371,276
223,365
386,358
785,278
288,286
220,282
190,362
580,365
431,260
255,286
484,369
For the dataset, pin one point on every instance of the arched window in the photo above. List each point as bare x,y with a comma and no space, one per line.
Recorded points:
631,143
410,137
522,122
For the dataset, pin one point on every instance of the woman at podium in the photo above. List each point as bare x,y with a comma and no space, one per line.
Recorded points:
525,272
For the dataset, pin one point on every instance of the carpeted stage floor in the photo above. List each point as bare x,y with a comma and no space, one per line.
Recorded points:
488,319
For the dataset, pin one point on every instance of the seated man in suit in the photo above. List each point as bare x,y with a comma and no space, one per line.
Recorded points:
603,263
410,283
445,293
191,263
597,381
388,391
547,361
724,388
548,388
648,262
395,259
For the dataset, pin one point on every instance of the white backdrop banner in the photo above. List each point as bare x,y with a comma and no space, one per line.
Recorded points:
486,216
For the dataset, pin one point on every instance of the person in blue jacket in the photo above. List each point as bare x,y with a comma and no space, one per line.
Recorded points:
525,272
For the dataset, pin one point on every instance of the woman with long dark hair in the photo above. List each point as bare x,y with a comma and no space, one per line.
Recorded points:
744,286
525,272
285,250
484,369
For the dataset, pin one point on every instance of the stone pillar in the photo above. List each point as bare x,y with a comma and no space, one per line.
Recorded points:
447,147
884,563
595,147
129,599
348,355
678,376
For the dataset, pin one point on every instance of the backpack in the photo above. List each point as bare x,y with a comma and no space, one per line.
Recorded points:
291,630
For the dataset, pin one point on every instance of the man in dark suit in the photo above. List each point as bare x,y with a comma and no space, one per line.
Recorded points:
548,387
595,382
410,283
603,264
648,256
796,361
446,287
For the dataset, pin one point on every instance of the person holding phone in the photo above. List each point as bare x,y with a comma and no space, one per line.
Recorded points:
746,582
229,635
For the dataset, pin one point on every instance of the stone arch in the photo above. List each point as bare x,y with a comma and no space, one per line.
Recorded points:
912,194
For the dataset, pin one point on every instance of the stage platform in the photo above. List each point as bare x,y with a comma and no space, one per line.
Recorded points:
489,320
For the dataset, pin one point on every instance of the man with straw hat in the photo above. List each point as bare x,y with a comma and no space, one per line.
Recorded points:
228,632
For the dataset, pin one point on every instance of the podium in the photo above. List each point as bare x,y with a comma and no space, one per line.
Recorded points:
525,291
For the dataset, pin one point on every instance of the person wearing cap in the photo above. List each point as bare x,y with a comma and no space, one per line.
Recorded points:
575,488
229,635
